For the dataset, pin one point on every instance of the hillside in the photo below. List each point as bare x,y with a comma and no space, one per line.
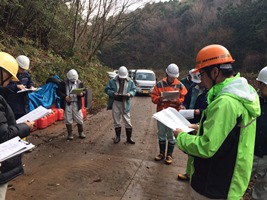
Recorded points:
46,63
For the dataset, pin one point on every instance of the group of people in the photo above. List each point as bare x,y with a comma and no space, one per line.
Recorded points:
228,145
13,105
226,150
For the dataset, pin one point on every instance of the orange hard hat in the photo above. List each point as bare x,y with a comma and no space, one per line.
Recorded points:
212,55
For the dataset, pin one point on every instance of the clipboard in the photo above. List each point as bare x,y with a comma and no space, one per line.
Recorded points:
170,95
13,147
123,95
76,91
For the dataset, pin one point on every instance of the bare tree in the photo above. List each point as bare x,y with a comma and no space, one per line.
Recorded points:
97,21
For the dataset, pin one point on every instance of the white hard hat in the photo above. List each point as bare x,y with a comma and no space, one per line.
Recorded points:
173,70
195,76
123,72
262,76
72,75
23,62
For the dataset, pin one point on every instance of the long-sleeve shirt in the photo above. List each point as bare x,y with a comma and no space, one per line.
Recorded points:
164,86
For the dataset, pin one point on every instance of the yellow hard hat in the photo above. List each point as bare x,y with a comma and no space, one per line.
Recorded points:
10,64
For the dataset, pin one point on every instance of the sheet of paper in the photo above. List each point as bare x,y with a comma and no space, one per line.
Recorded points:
34,114
173,119
76,91
14,147
28,90
169,95
188,114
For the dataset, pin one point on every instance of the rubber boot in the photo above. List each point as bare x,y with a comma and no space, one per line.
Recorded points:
129,135
169,157
118,135
80,131
162,148
69,130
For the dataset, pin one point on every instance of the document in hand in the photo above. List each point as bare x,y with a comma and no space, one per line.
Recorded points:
76,91
170,95
188,113
173,119
34,114
13,147
28,90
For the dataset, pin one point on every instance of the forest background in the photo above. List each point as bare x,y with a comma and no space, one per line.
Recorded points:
96,36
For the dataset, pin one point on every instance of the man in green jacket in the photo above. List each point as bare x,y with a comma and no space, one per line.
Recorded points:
224,145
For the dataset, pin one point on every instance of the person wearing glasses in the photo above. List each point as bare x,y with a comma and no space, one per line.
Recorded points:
195,99
223,147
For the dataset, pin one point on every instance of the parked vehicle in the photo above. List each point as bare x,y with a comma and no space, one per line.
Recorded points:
145,80
132,73
112,74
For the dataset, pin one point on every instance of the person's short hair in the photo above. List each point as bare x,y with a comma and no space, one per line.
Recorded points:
226,69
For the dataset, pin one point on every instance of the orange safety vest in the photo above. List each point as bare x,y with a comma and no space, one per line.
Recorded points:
163,86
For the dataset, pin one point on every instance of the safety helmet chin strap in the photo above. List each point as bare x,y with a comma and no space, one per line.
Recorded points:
2,77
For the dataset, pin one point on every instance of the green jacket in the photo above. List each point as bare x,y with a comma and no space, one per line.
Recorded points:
224,145
113,86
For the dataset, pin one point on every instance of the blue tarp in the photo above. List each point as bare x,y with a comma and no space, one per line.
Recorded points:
46,96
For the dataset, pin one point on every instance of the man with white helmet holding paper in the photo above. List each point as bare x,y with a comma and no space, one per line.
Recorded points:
72,103
168,84
120,89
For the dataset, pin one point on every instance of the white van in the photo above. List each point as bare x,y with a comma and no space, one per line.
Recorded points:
145,80
112,74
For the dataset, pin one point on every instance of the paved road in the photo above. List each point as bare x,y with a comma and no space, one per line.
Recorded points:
97,169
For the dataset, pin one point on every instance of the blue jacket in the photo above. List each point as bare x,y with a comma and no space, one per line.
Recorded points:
113,86
196,100
19,102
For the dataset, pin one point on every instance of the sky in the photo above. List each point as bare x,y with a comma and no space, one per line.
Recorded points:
138,5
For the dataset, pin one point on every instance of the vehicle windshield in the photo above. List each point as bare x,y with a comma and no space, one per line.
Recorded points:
145,76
